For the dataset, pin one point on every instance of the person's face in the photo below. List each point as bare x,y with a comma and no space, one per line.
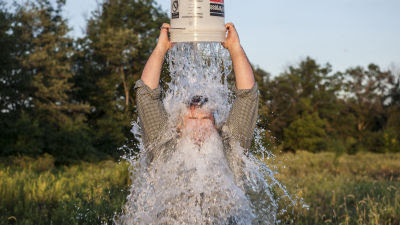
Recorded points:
199,123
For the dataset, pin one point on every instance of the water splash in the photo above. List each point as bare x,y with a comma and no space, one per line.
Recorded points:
200,184
198,69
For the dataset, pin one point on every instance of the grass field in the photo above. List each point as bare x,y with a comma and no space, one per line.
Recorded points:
357,189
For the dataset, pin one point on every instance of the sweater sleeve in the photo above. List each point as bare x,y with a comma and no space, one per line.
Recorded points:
152,114
243,115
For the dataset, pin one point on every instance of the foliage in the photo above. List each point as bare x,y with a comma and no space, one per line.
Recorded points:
309,107
307,132
120,38
74,99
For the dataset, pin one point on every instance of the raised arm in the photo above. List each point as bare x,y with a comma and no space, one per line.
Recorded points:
241,66
152,69
243,116
151,111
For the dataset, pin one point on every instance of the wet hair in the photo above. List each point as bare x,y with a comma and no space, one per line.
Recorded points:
198,101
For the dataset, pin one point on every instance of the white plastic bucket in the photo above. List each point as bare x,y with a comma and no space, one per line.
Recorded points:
197,21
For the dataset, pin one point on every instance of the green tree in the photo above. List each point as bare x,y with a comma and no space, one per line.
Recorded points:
120,37
8,97
307,81
61,118
19,132
366,98
307,133
392,129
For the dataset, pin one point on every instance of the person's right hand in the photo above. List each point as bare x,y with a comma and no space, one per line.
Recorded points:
163,41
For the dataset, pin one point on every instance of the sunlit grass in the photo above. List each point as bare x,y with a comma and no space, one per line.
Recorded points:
359,189
35,192
356,189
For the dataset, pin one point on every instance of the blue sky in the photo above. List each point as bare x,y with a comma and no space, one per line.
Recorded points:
279,33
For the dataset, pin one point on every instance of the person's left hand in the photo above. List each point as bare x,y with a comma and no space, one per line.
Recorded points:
232,41
163,41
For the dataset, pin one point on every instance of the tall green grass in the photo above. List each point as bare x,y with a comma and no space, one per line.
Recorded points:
351,189
357,189
35,192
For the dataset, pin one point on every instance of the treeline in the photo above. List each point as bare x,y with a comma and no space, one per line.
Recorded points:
74,99
71,98
312,108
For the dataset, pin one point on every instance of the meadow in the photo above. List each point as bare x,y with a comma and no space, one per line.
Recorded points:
347,189
350,189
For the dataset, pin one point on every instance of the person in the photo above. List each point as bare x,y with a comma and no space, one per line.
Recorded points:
198,124
243,115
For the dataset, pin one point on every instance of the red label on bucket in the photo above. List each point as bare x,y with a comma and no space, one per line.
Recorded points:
219,1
